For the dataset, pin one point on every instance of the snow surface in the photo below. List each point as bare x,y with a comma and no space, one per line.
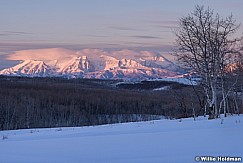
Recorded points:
162,88
179,79
153,141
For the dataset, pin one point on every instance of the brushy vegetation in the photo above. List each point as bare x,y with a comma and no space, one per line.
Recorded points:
57,102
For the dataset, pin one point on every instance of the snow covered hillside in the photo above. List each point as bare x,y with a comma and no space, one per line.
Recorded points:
153,141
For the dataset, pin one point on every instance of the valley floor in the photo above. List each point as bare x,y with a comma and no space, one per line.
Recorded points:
153,141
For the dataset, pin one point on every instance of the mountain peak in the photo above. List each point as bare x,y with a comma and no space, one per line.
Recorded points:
29,68
96,63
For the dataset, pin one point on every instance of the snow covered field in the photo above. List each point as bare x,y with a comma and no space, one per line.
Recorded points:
153,141
179,79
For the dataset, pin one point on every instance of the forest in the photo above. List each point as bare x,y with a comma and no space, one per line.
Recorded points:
57,102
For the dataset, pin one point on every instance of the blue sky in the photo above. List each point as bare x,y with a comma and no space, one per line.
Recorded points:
98,23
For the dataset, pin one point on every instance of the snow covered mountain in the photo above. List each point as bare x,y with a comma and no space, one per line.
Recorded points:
76,67
30,68
96,63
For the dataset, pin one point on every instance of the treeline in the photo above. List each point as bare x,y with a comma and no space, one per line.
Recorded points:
56,102
149,85
42,102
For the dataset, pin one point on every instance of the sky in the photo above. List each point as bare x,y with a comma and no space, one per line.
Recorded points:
75,24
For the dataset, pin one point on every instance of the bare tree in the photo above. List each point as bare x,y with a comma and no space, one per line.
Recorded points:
205,44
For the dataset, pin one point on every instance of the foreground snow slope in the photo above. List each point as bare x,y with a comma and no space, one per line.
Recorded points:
154,141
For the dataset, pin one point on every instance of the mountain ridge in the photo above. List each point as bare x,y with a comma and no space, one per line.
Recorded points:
96,63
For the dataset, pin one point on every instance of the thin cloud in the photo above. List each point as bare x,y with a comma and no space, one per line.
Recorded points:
4,34
166,31
14,33
41,54
130,43
18,32
146,37
96,36
166,24
171,22
122,28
